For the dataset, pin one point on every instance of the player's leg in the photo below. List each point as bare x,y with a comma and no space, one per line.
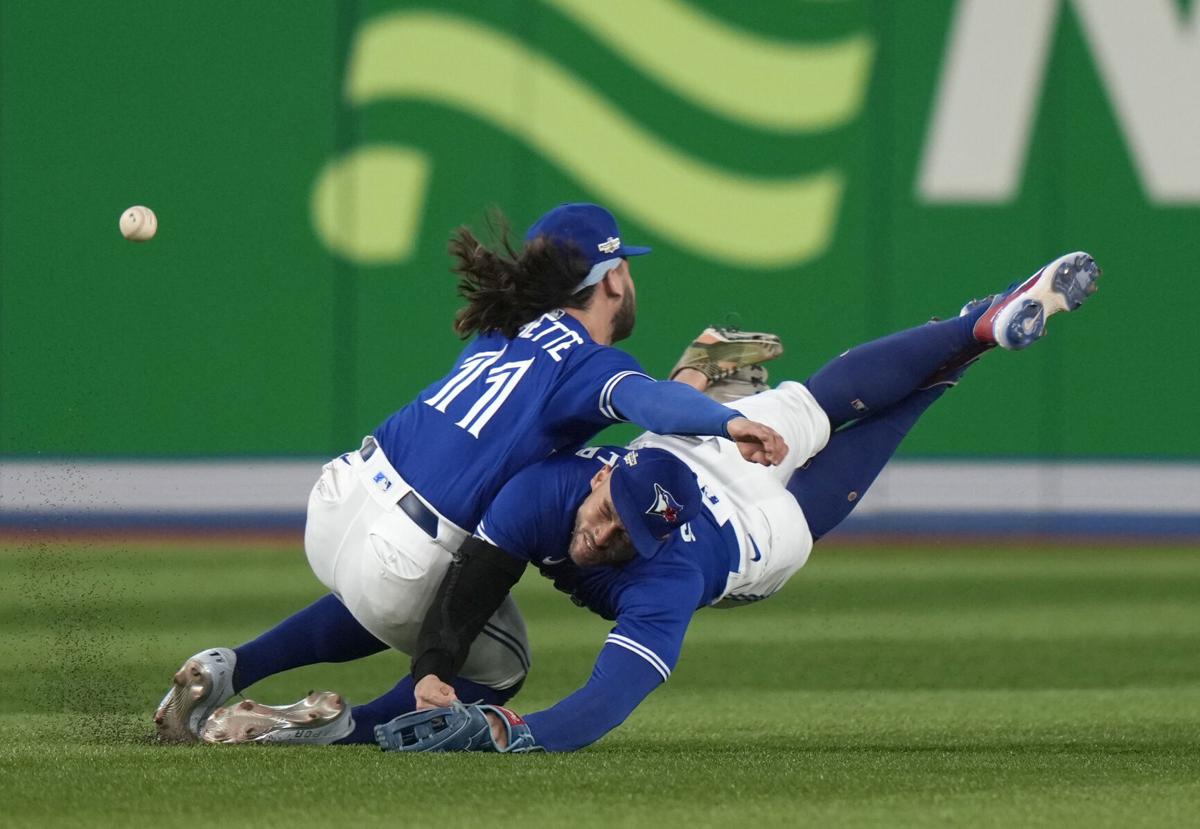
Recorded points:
867,379
871,377
325,631
322,632
493,672
341,514
833,483
318,633
835,480
383,570
874,376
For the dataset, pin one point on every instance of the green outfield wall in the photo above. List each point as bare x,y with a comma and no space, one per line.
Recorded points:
827,170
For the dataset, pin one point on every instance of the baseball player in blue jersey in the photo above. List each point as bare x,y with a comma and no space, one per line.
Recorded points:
540,375
647,535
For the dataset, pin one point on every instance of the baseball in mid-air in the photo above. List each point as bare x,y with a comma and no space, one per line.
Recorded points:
139,224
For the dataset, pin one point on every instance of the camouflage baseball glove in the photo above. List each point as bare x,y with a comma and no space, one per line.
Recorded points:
718,353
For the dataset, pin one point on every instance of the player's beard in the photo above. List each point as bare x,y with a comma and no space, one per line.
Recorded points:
584,554
624,319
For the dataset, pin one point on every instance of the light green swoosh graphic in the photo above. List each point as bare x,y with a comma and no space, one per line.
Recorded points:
762,82
736,219
368,205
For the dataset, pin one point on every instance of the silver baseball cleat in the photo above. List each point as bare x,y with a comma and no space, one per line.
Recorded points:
198,688
320,718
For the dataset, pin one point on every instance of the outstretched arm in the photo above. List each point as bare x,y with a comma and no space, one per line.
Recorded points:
618,684
638,656
625,674
674,408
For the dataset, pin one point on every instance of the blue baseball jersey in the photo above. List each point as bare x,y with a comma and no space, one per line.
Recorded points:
507,403
651,600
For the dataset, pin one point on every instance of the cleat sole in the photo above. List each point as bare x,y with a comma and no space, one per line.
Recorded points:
171,718
321,717
191,698
1020,320
1075,281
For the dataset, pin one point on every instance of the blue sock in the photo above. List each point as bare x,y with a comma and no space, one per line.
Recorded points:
874,376
835,480
322,632
400,700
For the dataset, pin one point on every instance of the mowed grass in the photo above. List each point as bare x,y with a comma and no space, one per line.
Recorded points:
932,686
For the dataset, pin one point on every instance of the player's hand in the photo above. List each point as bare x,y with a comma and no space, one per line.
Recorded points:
692,377
757,442
499,732
431,692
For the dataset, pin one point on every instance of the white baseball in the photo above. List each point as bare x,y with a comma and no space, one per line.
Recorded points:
139,224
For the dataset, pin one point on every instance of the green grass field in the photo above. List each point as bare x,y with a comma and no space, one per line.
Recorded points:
886,686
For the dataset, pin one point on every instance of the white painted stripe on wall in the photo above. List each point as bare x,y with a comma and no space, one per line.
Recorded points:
175,487
1147,488
197,487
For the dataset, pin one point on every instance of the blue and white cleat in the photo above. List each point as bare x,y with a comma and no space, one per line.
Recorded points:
1018,317
198,688
321,718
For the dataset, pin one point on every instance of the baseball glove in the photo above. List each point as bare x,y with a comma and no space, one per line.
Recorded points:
719,352
457,728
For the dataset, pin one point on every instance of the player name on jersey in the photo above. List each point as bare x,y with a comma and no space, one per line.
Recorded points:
550,325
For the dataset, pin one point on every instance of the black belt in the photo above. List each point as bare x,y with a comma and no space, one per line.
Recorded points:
413,506
421,515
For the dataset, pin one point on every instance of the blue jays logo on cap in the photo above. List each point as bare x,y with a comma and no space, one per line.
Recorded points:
665,506
658,478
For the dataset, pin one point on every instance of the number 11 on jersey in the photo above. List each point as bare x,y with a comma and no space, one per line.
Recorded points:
500,381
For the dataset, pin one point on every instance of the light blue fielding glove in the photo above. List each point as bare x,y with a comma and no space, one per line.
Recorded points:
457,728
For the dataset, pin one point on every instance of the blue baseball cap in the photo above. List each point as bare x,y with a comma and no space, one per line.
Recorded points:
593,230
655,494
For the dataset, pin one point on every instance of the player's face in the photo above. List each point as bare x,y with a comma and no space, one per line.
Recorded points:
599,538
626,314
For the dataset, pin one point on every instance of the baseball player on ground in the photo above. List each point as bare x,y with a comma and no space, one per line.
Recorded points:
384,520
647,535
730,535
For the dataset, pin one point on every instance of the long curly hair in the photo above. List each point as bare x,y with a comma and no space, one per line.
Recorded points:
506,288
